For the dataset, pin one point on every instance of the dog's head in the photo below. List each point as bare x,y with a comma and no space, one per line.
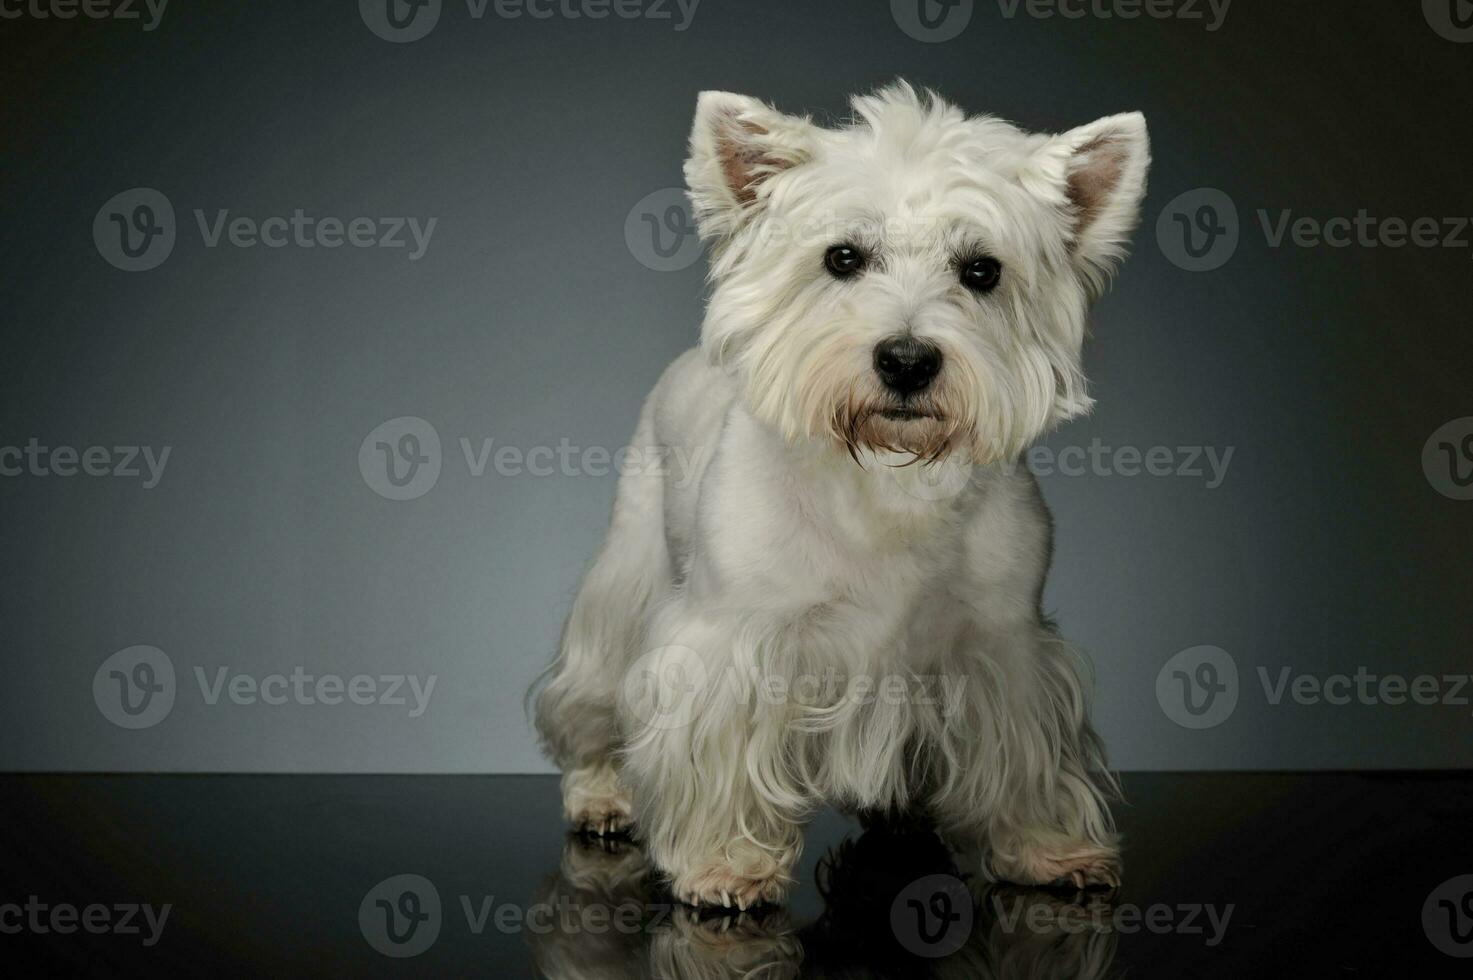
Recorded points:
915,282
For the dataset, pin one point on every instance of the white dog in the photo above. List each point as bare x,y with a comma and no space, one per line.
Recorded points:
771,632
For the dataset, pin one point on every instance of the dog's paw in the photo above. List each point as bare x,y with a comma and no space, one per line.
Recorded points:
726,944
719,885
595,803
1058,863
728,928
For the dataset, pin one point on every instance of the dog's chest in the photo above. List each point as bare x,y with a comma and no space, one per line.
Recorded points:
805,544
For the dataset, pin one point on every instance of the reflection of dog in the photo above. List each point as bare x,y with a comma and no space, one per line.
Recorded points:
909,289
1013,933
597,907
866,929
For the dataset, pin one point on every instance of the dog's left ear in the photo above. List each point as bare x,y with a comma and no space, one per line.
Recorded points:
736,145
1100,170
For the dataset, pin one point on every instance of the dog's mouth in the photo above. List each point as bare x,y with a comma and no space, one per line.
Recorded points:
919,428
908,414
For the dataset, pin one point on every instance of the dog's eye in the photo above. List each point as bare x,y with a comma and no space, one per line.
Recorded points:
981,275
844,261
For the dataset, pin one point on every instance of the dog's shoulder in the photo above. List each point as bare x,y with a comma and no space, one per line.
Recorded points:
690,400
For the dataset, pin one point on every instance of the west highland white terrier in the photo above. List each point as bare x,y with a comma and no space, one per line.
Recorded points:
839,600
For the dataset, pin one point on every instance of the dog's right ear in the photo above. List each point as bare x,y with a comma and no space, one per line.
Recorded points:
737,144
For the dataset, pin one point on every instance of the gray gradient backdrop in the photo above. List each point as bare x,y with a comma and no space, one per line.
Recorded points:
531,320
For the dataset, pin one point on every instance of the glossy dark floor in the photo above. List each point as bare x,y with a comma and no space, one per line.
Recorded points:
1326,875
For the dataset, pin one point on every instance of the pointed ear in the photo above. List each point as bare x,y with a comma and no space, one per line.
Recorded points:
736,145
1101,171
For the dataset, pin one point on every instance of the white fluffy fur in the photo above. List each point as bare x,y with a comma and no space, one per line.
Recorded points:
805,544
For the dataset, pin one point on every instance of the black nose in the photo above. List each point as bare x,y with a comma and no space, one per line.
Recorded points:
905,364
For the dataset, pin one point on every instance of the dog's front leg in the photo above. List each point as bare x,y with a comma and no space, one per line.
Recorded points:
709,764
1031,794
576,708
